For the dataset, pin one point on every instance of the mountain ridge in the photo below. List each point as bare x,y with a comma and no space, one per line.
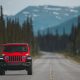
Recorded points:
48,16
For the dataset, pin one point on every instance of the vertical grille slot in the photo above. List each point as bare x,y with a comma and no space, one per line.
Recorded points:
15,58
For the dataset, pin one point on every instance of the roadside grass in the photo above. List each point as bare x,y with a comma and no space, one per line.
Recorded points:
71,56
36,55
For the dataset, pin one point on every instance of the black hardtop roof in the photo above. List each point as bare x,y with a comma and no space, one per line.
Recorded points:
15,44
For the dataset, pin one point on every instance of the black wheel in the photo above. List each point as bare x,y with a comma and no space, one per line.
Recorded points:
30,70
2,72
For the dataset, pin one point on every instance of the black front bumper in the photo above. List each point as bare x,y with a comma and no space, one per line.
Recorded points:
18,64
15,66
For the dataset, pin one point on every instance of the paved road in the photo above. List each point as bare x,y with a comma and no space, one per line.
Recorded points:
48,67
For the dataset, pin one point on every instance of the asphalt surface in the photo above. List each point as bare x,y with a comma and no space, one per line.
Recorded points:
48,67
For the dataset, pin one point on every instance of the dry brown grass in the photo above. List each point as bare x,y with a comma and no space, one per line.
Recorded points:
73,57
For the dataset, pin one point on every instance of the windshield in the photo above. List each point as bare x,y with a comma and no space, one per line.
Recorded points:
15,49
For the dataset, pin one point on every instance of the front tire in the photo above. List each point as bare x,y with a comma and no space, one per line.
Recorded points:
2,72
30,70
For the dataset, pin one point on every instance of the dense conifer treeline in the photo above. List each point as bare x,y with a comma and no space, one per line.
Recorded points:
58,43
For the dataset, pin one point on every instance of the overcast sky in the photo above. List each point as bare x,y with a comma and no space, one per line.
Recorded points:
11,7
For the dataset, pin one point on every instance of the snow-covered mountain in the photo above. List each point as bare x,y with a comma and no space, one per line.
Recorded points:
48,16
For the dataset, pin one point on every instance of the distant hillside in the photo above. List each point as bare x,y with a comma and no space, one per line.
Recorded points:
49,16
67,26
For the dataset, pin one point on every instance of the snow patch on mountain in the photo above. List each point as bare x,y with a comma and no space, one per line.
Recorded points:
25,15
25,12
56,13
58,17
50,8
35,10
35,15
57,9
72,10
66,14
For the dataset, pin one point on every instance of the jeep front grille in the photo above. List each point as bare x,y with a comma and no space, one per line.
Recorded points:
15,58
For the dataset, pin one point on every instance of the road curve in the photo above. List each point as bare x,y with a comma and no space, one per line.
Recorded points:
48,67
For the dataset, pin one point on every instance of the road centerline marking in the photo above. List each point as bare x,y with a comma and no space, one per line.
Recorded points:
51,71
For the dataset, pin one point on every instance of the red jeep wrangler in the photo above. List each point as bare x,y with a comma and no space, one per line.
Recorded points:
15,56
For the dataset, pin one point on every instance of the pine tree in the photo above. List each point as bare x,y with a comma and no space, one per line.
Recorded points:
73,39
2,26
